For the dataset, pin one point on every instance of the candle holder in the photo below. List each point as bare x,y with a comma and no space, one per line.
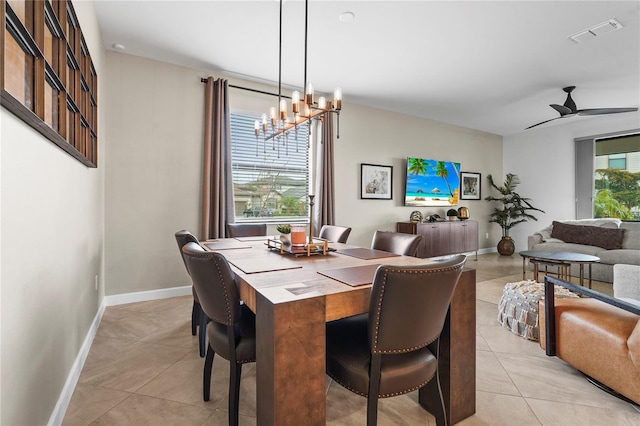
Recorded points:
311,197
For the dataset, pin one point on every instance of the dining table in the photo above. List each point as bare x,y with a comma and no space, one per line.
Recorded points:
295,295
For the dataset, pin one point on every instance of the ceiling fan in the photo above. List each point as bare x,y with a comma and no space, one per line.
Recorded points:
569,109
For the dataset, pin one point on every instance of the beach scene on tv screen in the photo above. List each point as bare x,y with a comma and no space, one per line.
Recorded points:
431,183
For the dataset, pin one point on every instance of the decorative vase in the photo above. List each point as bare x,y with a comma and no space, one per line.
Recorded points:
463,213
415,217
506,246
285,238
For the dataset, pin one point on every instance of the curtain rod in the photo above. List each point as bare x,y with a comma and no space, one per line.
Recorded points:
248,89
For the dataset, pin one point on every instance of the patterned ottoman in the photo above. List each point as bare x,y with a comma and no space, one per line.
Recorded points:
518,307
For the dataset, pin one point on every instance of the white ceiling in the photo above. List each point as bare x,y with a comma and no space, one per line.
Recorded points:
494,66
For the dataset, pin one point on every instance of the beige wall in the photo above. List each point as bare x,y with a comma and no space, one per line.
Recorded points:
51,246
153,175
375,136
153,183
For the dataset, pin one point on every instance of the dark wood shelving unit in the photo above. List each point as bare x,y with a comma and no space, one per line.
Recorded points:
443,238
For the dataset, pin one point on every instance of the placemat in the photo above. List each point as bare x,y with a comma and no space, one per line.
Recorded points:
254,266
353,276
366,254
226,244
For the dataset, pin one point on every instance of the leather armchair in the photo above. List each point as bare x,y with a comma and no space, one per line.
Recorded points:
598,335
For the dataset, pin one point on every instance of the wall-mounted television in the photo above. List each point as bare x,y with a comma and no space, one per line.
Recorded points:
431,183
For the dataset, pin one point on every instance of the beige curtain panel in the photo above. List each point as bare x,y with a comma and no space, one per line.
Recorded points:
217,196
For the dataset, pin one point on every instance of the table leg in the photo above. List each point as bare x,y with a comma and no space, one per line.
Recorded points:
523,268
290,365
582,275
590,275
457,361
535,271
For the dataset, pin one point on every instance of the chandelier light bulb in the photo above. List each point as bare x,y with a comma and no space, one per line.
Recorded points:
303,105
308,94
337,97
295,102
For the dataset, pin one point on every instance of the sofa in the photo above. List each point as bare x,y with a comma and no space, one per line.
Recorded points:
612,240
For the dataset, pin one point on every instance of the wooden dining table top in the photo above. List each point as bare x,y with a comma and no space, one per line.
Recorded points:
285,278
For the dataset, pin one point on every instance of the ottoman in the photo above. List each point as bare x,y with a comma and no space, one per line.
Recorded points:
518,307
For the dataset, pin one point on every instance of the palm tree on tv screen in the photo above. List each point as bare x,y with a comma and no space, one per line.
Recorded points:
417,166
441,170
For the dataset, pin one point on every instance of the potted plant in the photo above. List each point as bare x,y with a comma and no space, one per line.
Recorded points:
513,209
452,214
285,231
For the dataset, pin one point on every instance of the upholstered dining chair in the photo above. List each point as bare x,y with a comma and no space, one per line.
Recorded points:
393,349
396,242
198,318
232,329
335,234
246,229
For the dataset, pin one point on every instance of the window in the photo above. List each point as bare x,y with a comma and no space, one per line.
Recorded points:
48,79
617,178
270,179
617,161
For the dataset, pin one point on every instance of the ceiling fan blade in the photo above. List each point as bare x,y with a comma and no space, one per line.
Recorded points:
562,110
599,111
569,109
542,122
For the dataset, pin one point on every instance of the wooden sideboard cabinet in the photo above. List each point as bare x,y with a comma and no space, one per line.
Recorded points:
443,238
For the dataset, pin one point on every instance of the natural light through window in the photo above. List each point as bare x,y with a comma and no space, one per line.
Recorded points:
617,178
270,179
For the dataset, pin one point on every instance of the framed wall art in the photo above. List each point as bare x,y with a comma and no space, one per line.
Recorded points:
376,182
470,186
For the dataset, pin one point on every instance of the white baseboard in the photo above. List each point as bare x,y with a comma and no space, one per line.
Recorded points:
488,250
143,296
118,299
72,379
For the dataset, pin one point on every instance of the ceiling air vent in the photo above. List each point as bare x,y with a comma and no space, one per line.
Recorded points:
595,31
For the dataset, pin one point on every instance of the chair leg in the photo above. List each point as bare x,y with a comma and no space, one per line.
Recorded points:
195,315
439,412
203,332
372,410
206,376
234,392
374,389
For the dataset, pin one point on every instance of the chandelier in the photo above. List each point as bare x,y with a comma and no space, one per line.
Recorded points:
282,119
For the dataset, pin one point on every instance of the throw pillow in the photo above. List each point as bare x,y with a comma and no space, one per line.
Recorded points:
607,238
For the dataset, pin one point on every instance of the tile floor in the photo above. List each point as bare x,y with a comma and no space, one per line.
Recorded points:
143,369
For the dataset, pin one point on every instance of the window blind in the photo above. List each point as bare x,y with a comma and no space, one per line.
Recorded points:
270,179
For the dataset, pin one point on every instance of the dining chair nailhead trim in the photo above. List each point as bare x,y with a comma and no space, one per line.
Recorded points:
386,395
